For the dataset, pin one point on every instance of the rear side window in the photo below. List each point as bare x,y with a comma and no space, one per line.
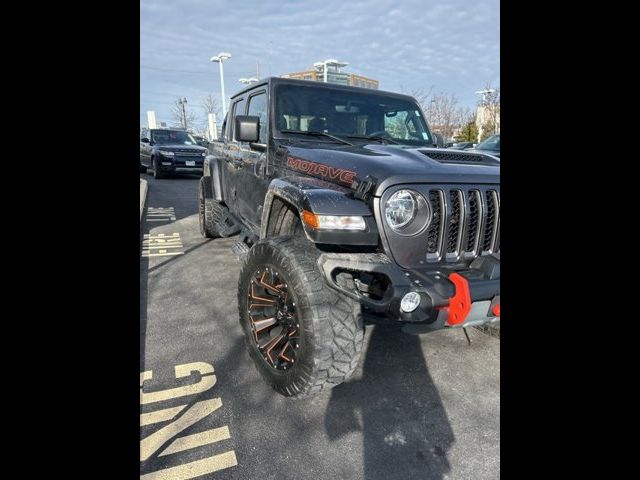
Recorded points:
223,132
238,109
258,107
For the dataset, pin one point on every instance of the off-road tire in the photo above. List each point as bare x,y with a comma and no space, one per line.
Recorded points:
209,211
330,324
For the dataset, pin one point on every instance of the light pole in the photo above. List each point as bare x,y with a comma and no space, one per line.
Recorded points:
219,59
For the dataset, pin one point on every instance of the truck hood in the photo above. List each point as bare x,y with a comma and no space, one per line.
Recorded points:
392,165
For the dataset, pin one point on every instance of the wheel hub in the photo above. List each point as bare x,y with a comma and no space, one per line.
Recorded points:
273,318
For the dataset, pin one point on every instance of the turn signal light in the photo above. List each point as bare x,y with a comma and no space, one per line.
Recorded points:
333,222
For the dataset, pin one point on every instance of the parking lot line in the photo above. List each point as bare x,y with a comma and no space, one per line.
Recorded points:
160,415
195,469
197,440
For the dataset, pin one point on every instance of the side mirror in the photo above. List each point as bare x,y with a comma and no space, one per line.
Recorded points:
144,140
247,128
438,140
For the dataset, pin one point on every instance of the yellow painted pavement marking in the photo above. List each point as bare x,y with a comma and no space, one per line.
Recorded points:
207,381
160,235
158,245
160,214
153,442
195,469
160,415
162,253
197,440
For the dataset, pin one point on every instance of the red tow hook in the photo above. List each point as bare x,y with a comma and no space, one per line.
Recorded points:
460,303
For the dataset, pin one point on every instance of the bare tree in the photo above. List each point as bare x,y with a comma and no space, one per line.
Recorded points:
441,114
176,116
210,105
442,111
423,97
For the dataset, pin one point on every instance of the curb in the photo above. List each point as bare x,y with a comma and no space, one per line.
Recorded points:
143,196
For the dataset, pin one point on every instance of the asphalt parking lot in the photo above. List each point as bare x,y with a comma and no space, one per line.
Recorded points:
418,407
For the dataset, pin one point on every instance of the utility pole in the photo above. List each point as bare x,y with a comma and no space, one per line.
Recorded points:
258,69
183,101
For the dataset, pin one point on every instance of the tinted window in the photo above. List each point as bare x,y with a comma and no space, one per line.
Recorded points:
238,109
258,107
163,137
350,114
223,132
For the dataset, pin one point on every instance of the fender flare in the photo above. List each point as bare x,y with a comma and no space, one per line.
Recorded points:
322,198
212,173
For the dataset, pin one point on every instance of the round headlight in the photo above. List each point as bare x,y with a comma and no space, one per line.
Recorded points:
400,209
407,212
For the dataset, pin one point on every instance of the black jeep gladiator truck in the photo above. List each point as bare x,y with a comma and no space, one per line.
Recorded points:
170,151
346,214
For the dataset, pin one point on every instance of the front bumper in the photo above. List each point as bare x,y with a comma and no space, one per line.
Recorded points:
448,298
180,168
179,164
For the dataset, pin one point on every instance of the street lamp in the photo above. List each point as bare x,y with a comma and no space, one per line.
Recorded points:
248,81
219,59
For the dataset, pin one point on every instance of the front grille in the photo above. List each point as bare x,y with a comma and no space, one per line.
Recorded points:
464,226
188,154
454,238
434,231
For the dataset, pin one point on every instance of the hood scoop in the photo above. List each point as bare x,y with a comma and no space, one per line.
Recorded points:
460,158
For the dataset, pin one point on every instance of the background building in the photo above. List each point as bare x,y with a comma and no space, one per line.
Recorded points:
329,71
488,116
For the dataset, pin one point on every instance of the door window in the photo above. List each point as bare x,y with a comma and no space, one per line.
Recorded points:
258,107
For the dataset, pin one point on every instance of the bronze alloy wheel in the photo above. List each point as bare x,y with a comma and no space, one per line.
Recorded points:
272,314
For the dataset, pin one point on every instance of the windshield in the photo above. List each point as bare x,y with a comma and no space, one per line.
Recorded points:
491,143
350,114
163,137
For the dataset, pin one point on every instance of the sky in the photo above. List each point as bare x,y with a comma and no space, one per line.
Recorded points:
452,45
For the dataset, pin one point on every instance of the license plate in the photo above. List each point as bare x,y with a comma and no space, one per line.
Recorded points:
191,163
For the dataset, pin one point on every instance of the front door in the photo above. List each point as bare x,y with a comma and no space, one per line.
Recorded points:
254,173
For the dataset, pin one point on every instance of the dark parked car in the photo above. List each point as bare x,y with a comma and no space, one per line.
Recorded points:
170,151
462,145
490,146
203,142
346,214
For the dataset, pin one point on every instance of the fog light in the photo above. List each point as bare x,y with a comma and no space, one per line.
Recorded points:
410,302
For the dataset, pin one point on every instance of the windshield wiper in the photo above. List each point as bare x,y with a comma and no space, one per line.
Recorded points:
374,137
319,134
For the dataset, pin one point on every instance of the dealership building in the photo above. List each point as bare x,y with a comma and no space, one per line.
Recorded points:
329,71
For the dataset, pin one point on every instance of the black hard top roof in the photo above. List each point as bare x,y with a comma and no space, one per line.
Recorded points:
332,86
